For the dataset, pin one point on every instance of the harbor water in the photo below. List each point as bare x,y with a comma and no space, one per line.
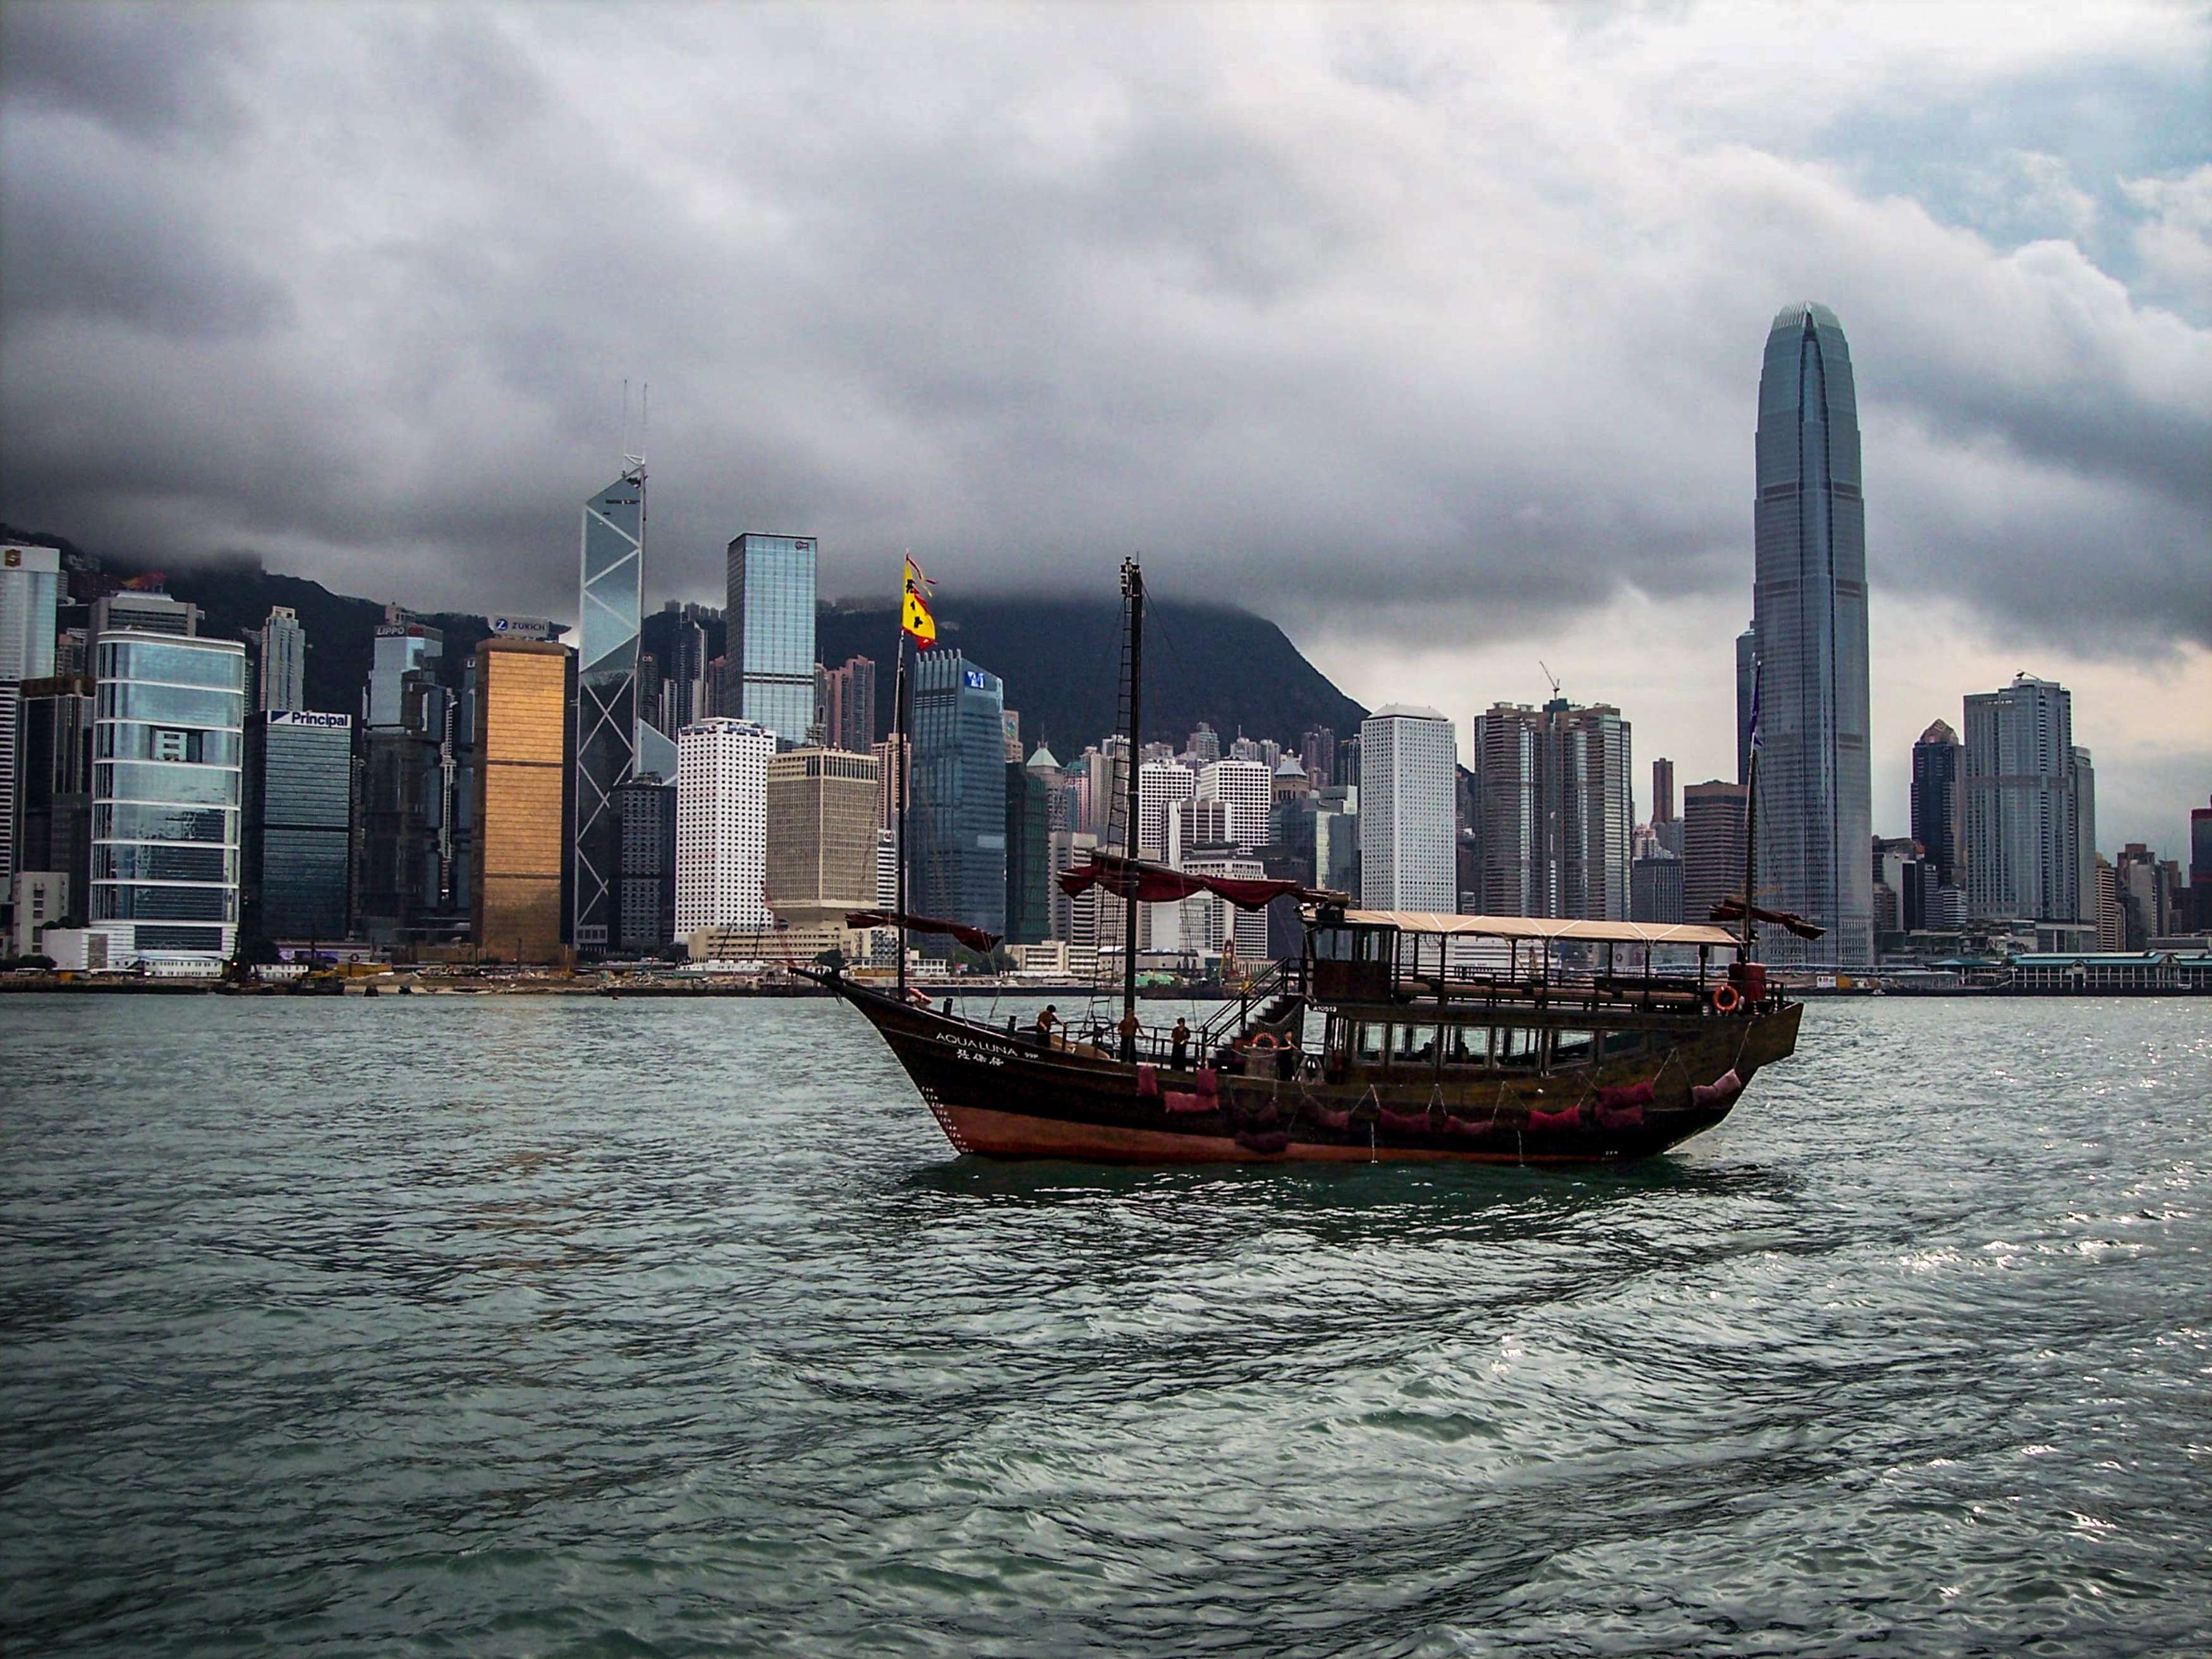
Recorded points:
554,1325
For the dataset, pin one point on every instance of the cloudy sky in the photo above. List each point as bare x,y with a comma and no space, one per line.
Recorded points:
1433,335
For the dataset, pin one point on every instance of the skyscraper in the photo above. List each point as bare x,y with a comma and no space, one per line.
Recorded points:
2200,868
1713,848
2020,804
1655,887
1814,814
1317,748
1029,854
771,632
1408,761
1747,662
848,705
721,825
1247,789
30,597
299,824
1160,784
401,648
1555,823
413,856
609,614
145,611
522,812
2085,836
1662,792
956,853
821,836
168,719
1937,770
647,914
53,806
283,661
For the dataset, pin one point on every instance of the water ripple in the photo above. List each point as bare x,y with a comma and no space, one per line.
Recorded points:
538,1326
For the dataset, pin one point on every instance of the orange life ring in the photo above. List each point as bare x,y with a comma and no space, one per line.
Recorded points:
1263,1040
1726,998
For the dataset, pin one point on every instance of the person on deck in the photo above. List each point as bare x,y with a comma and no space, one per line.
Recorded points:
1128,1030
1180,1059
1045,1021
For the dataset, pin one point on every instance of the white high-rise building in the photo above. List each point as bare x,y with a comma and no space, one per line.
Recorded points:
1210,922
1159,783
284,662
721,825
1408,760
1247,789
30,596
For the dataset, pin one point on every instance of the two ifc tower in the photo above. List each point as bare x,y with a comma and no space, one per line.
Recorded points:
1808,641
1807,638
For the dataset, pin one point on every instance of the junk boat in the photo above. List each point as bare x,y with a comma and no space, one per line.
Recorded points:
1394,1035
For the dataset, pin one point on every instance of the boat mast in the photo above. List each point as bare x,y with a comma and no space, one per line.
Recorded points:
902,786
1750,932
1133,594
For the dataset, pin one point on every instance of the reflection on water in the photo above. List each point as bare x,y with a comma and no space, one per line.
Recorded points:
521,1326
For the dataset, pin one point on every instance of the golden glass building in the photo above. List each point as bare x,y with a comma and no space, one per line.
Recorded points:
822,806
523,705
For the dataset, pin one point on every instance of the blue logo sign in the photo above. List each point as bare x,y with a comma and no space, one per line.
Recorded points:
975,679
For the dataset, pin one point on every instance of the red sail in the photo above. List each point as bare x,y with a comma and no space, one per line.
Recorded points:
1155,883
974,937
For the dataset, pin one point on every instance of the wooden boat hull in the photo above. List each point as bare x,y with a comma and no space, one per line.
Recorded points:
1001,1096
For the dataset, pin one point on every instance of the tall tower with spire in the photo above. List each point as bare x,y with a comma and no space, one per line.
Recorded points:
1815,811
610,616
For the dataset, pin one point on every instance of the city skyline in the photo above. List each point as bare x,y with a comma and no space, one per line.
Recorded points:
1070,365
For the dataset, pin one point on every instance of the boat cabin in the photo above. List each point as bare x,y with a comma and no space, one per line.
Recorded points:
1407,996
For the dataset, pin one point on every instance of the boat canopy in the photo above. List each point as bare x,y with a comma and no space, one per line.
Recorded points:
1545,928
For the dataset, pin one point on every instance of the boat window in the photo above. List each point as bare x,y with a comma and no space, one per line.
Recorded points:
1368,1042
1622,1042
1467,1047
1331,945
1514,1046
1414,1045
1573,1048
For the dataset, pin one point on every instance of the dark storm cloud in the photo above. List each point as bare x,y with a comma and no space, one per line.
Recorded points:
1447,324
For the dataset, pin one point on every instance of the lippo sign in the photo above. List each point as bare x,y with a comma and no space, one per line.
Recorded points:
292,717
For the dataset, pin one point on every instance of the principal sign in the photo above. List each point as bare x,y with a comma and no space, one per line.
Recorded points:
294,717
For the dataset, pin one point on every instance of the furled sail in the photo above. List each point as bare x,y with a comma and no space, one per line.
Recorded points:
974,937
1157,884
1731,909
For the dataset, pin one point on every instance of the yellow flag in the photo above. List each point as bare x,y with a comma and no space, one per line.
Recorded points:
917,621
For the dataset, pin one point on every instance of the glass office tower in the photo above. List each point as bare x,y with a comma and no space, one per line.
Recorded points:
771,632
53,806
611,613
299,825
168,721
1814,811
956,825
30,593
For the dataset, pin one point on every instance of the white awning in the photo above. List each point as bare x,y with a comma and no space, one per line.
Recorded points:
1589,932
